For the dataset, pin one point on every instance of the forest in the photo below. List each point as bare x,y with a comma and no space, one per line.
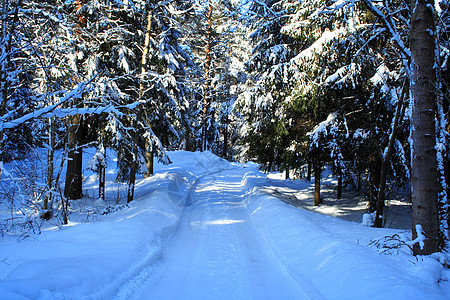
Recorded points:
356,87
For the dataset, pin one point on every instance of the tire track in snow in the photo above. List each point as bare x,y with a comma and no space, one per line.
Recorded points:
216,253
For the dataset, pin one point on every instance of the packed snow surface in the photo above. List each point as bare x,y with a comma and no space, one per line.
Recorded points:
202,228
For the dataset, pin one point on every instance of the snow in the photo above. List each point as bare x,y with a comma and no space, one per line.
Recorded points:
368,219
206,228
317,46
420,239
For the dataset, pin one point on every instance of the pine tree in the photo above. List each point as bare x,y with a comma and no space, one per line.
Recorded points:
141,69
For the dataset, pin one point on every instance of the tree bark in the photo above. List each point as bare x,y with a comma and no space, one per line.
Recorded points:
73,188
339,187
148,150
82,20
50,163
132,180
386,160
5,65
74,180
101,183
317,173
206,86
145,51
308,172
424,169
225,139
149,157
102,175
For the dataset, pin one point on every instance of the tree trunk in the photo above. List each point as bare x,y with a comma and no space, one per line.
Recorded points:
74,180
82,20
148,150
73,188
339,187
132,179
102,176
50,163
359,181
145,51
317,173
308,173
424,169
374,182
4,67
206,86
286,173
101,183
149,157
386,160
225,140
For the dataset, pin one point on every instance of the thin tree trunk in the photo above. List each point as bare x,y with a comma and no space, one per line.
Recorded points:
359,182
386,160
149,157
206,87
148,150
308,172
102,176
424,169
225,141
132,179
145,51
339,187
6,64
50,163
317,174
82,20
101,183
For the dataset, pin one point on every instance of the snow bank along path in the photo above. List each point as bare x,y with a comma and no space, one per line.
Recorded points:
93,259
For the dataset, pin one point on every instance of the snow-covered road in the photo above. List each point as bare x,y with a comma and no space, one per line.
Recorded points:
216,252
203,228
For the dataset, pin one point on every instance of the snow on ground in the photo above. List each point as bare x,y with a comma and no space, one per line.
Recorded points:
203,228
351,207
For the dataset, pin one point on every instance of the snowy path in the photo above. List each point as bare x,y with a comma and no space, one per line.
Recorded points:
216,252
233,242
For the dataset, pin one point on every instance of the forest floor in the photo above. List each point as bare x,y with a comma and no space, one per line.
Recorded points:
351,207
204,228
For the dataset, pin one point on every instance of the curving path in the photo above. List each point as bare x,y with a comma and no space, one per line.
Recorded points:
216,252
